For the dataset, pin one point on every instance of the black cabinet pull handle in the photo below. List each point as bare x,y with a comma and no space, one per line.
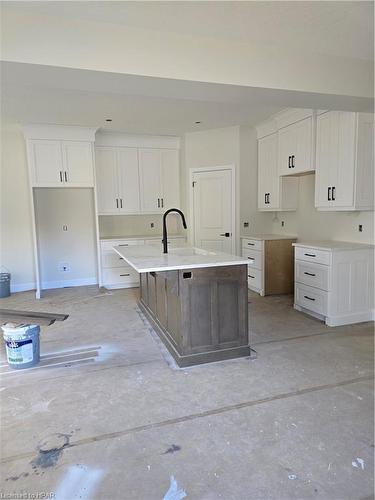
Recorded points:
249,276
329,194
121,258
124,245
289,163
265,198
333,193
116,202
66,176
251,244
120,202
310,255
293,165
158,202
127,274
309,274
307,297
61,179
268,197
162,203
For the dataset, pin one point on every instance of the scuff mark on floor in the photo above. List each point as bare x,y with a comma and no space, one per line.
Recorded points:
15,478
359,463
50,450
172,449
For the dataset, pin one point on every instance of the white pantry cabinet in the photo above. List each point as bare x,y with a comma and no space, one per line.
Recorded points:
59,163
296,147
159,179
275,193
345,161
117,180
334,281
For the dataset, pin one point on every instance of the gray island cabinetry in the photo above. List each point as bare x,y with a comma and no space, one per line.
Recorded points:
195,300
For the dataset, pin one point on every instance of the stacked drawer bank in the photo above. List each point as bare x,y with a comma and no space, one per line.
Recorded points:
334,281
271,263
115,272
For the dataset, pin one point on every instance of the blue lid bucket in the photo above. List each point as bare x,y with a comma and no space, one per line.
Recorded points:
22,345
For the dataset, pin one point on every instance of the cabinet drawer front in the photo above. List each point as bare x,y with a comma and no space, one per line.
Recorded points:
111,258
313,255
252,244
255,258
312,274
254,278
120,276
108,245
311,298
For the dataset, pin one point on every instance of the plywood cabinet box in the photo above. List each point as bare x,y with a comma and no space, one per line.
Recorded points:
271,261
136,180
345,161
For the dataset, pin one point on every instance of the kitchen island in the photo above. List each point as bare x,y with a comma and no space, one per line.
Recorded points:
195,300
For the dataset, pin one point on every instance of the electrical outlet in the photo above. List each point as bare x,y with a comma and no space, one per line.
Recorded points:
63,267
245,224
282,223
360,228
152,224
65,227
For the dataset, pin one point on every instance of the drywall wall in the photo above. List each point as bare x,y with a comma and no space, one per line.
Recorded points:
16,242
59,41
311,224
229,146
137,225
71,209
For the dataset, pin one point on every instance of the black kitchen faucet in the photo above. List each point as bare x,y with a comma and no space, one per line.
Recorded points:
165,235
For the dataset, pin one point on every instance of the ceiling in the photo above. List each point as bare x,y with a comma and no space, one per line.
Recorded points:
137,104
338,28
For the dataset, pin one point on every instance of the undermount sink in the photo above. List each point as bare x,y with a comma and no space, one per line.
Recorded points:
189,251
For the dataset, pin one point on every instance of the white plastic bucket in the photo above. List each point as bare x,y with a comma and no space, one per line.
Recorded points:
22,345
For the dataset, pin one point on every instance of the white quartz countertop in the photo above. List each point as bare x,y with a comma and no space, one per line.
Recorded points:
148,237
147,258
267,237
332,246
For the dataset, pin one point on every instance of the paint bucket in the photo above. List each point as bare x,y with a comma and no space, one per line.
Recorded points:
4,285
22,345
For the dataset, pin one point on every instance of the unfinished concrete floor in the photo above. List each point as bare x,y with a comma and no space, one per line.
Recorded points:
104,416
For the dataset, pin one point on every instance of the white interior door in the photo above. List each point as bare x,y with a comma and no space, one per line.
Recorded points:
212,209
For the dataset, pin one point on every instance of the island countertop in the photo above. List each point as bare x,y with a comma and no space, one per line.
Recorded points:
147,258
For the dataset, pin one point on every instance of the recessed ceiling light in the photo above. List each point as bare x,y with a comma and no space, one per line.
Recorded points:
198,122
108,119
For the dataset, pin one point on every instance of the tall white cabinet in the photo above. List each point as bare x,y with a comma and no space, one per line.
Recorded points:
345,161
58,156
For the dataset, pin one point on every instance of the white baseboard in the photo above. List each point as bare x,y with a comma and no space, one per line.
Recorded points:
22,287
48,285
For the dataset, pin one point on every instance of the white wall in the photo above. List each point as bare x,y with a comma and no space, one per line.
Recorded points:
229,146
16,244
73,208
311,224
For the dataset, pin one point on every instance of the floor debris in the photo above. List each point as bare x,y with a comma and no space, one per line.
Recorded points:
174,492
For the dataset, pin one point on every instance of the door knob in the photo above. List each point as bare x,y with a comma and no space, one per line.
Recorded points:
225,234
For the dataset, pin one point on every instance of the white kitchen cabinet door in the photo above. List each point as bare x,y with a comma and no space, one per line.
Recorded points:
268,177
296,148
128,180
170,175
106,181
150,180
344,161
78,164
46,165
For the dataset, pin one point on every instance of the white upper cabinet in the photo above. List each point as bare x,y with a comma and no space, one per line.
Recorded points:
274,192
150,180
344,161
159,179
61,163
296,147
78,164
170,176
46,163
106,180
117,180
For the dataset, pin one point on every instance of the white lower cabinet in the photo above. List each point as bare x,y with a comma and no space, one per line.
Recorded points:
115,273
335,281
